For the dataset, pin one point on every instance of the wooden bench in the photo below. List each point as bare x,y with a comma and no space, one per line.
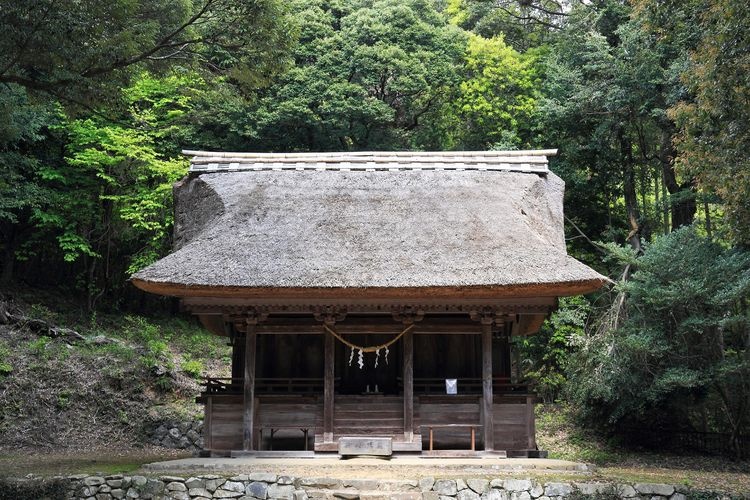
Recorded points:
472,427
274,428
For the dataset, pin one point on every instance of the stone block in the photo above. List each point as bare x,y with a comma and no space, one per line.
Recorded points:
426,483
461,484
93,481
199,493
172,479
175,486
430,495
496,494
467,494
281,491
496,483
214,484
319,482
398,485
194,482
117,493
557,489
361,484
351,494
517,484
139,481
478,485
235,486
592,488
299,495
179,495
678,496
114,483
536,491
654,489
257,489
284,480
445,487
221,493
266,477
626,491
520,495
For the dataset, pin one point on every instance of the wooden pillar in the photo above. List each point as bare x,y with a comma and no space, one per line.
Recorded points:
408,339
248,405
328,388
487,413
530,422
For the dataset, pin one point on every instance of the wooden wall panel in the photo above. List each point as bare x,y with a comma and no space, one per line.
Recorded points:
510,426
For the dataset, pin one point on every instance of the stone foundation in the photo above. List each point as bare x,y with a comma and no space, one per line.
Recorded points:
178,435
265,486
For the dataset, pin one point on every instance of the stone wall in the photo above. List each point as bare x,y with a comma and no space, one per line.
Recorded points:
178,435
265,486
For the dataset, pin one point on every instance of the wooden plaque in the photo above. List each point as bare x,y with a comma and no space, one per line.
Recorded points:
375,446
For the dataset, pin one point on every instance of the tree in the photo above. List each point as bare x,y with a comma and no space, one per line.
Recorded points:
607,91
713,138
109,207
681,356
82,52
25,145
368,75
498,95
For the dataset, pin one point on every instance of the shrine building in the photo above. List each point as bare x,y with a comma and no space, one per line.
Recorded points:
370,299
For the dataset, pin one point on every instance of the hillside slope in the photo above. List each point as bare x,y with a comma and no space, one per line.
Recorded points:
71,382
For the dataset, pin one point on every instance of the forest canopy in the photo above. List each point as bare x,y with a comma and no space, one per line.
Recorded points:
646,100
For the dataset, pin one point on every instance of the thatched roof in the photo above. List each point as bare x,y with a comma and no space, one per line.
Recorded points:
357,224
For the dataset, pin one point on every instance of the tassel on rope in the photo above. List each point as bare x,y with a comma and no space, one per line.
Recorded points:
351,356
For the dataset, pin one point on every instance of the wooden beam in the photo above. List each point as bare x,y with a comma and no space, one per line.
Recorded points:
489,430
408,340
248,404
207,429
328,388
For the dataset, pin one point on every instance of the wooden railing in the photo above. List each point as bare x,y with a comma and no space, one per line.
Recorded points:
292,385
228,385
500,385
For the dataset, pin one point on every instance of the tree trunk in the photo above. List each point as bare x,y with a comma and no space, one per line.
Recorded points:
9,258
629,192
682,203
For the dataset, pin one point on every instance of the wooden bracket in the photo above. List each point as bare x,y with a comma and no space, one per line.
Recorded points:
487,316
329,314
407,314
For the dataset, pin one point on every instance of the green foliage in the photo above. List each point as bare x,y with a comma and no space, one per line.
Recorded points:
192,367
546,355
498,95
368,75
714,136
681,347
83,52
40,347
6,368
